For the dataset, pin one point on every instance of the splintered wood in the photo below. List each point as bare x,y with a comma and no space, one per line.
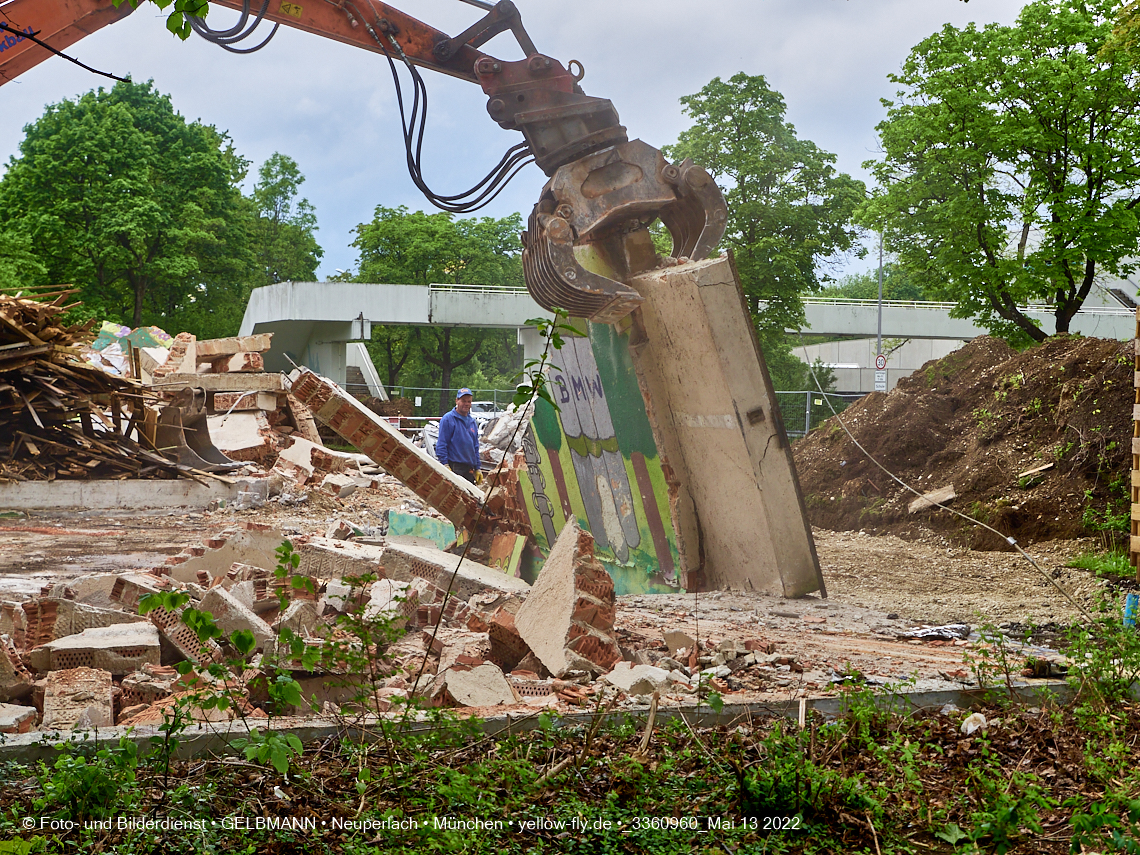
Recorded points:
59,416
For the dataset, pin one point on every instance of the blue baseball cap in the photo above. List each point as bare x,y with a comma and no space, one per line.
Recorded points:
462,392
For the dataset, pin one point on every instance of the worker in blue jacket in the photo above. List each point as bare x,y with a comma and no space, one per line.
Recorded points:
458,443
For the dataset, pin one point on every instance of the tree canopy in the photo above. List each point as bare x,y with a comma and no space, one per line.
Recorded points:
1010,171
287,250
121,196
414,248
788,209
399,247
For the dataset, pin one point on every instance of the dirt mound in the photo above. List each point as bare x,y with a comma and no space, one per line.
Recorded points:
979,419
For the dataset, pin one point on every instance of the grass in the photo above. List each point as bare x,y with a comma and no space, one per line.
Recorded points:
1111,565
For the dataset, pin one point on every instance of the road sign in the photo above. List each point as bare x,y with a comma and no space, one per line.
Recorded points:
881,362
880,381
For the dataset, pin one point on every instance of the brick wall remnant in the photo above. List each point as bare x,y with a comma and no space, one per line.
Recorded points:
568,618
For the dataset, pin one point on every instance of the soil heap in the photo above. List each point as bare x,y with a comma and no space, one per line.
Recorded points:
979,419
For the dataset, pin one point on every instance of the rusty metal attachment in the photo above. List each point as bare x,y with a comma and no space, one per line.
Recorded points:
595,213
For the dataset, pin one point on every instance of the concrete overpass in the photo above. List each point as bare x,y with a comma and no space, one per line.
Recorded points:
907,319
312,322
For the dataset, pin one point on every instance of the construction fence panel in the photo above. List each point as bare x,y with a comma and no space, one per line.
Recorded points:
805,410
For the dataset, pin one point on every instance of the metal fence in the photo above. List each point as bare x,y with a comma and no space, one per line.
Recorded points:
429,398
803,411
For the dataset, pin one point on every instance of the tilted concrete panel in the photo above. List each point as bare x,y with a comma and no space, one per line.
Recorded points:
737,509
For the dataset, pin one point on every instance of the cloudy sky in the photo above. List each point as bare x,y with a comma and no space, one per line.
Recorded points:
332,108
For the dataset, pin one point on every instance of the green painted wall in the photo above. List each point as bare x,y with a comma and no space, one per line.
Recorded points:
595,459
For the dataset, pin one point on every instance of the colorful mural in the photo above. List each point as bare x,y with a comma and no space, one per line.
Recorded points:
595,459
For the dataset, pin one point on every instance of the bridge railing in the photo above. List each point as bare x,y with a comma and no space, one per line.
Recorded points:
936,306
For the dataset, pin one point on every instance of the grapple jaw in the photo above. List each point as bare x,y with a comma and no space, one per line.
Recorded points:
589,230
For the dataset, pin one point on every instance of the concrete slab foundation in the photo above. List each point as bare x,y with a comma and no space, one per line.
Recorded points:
125,495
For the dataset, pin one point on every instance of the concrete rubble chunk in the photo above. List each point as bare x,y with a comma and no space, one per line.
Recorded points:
146,687
927,500
78,698
238,363
339,597
231,616
300,617
129,588
406,562
507,647
337,559
568,618
15,681
637,679
226,402
119,649
453,496
340,485
13,622
93,589
392,599
243,436
675,641
480,686
16,719
250,544
338,529
213,348
183,642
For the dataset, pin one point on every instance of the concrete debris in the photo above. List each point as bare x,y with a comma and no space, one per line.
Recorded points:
407,562
947,632
341,486
16,719
928,500
78,698
338,529
15,681
232,616
119,650
678,642
453,496
637,679
300,617
479,686
389,599
568,618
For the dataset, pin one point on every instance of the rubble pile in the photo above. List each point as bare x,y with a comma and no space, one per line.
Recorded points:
80,654
250,414
61,417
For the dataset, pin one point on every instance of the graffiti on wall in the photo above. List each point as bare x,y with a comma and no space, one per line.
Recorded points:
595,459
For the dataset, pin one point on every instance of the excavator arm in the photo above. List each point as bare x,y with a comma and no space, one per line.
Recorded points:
589,230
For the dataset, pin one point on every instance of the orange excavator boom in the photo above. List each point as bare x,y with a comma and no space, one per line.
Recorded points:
589,230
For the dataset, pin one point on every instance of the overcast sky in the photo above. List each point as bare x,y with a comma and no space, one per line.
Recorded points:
331,107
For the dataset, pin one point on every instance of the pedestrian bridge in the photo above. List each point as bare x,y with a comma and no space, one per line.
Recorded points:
312,322
913,319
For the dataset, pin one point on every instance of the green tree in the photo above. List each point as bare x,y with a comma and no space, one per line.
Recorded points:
140,209
19,266
788,209
1010,171
284,243
899,283
399,247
